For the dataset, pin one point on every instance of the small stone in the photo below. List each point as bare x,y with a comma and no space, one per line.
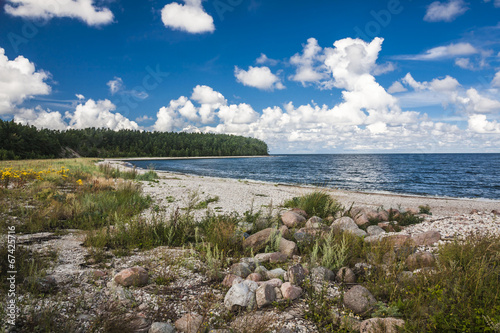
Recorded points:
361,219
259,240
284,231
314,222
140,324
241,295
346,275
288,247
273,282
387,226
241,269
292,219
300,212
381,325
262,271
265,295
277,291
290,291
296,274
250,262
189,323
398,240
135,276
158,327
277,273
263,257
426,238
359,299
347,224
278,257
320,274
99,274
383,216
375,230
229,280
255,277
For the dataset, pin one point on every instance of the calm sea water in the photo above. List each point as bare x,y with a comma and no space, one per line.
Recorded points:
449,175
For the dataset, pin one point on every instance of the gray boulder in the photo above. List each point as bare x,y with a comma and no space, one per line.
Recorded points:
359,299
161,328
265,295
296,274
381,325
320,274
241,295
375,230
347,224
189,323
346,275
292,219
277,273
288,247
241,270
135,276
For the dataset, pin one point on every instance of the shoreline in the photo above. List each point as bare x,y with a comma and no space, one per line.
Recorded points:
241,195
181,158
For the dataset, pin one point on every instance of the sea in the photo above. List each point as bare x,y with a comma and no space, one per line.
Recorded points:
438,175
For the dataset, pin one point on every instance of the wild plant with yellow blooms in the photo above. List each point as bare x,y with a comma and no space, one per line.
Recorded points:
17,178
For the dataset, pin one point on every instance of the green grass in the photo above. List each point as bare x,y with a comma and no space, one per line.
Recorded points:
318,203
77,198
28,264
204,203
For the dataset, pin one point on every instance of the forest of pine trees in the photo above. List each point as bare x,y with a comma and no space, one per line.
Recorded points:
27,142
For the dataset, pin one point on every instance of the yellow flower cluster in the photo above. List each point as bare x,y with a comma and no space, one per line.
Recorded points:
20,177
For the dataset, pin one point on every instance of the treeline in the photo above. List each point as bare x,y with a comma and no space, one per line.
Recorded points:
27,142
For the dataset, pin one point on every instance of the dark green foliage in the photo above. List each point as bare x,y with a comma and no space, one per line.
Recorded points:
318,203
26,142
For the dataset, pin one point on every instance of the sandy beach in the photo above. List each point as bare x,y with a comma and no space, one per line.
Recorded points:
174,189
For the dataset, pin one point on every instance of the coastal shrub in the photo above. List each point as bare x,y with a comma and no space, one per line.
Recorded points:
220,231
425,209
214,260
273,242
128,234
334,251
460,294
319,309
318,203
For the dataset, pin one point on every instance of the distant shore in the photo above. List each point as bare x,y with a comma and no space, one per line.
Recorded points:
182,158
173,191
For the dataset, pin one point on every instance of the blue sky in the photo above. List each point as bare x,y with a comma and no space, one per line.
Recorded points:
304,76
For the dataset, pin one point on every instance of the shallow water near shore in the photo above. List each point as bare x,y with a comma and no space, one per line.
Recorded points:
443,175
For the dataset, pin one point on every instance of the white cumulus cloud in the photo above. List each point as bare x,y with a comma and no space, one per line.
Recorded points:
99,114
479,124
19,80
84,10
445,11
41,118
309,64
258,77
189,17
